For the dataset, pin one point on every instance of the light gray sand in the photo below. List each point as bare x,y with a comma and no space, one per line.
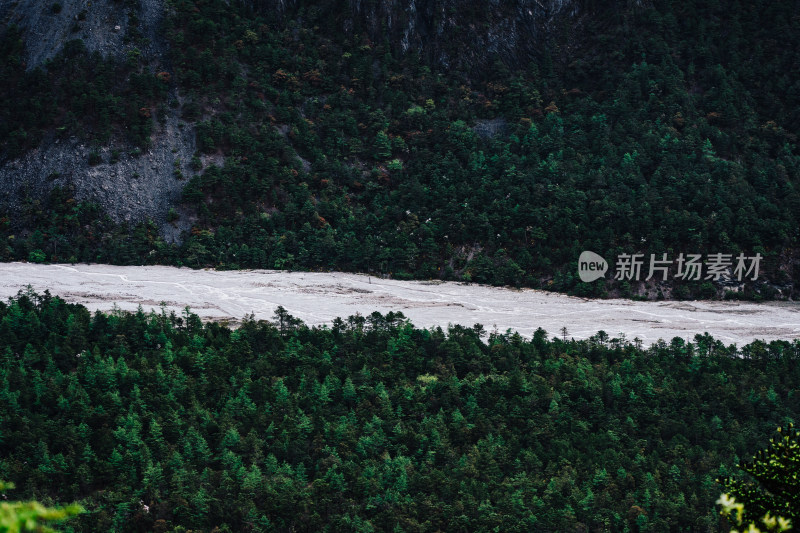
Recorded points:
317,298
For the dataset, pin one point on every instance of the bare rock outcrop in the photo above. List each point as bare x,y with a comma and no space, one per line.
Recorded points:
131,187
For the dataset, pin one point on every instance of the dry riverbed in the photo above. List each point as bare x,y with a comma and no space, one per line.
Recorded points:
317,298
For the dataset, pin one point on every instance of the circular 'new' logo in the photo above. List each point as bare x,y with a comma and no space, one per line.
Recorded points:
591,266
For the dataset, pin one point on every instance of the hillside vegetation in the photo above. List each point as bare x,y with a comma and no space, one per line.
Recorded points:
157,422
665,127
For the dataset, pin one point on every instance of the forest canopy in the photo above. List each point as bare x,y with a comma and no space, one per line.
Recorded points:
668,127
159,422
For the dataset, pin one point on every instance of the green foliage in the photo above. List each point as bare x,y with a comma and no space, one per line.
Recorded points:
776,487
395,165
654,134
383,146
735,511
37,256
157,422
19,517
75,93
651,152
74,231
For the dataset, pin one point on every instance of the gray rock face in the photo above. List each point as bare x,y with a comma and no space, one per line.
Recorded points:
490,128
101,24
134,188
459,34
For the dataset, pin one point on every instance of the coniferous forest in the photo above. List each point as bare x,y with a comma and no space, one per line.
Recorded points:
325,138
655,127
158,422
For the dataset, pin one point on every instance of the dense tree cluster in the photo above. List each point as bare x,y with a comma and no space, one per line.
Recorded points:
158,422
661,139
68,230
74,93
668,127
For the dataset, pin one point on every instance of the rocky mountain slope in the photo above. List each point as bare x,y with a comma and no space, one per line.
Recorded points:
448,34
129,186
423,139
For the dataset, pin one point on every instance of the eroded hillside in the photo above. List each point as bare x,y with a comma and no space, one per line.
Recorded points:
427,140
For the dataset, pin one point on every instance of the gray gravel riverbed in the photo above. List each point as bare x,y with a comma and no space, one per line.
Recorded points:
317,298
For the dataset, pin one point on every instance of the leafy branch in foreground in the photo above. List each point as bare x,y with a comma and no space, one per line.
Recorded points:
777,491
735,511
17,517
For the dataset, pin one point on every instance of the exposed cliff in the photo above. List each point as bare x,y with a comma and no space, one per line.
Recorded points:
452,34
111,27
424,138
129,187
